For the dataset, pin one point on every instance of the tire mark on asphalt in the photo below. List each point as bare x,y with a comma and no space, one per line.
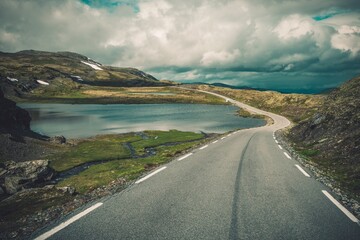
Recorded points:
233,231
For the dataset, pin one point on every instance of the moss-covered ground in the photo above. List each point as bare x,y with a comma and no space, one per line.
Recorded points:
115,158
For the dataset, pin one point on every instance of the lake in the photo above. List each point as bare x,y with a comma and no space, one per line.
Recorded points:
84,120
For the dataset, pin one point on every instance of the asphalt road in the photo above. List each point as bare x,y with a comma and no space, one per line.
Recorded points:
242,186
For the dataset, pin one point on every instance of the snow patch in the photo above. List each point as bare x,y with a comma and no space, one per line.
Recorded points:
42,82
12,79
92,65
77,77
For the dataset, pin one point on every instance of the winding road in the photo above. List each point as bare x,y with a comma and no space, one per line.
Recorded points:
241,186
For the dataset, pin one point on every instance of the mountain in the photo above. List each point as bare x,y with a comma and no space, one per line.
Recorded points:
24,71
331,138
280,90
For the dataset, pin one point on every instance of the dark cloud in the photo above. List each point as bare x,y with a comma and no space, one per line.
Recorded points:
298,43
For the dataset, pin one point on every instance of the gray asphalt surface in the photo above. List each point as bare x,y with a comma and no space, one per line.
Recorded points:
240,187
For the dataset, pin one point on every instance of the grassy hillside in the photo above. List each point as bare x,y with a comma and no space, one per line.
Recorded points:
331,138
23,72
296,107
66,77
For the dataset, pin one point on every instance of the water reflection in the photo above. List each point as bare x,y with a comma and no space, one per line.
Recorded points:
91,119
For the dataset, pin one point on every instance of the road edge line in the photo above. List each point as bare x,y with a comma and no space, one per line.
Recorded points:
203,147
150,175
302,170
287,155
68,222
185,156
341,207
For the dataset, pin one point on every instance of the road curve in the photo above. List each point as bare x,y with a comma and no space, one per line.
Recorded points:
241,186
279,121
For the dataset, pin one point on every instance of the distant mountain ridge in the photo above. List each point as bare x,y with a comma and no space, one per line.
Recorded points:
284,90
23,71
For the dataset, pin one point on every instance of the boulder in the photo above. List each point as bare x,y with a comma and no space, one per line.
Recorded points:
13,184
23,175
70,190
58,139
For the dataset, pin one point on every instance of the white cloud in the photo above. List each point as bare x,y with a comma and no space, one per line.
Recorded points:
213,58
294,26
230,35
346,42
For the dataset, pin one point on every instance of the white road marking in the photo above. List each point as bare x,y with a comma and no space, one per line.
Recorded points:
223,137
344,210
185,156
302,170
276,141
280,146
274,138
203,147
215,141
229,135
287,155
150,175
68,222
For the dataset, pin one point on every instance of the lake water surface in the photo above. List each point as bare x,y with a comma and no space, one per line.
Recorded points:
84,120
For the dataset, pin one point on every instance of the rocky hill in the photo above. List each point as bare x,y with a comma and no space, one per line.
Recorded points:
22,72
296,107
331,138
17,141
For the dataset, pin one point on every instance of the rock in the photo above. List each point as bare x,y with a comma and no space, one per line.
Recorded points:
14,234
25,175
1,191
2,172
13,184
318,118
49,187
58,139
70,190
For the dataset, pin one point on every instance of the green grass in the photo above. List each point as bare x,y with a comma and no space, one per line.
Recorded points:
103,174
157,138
104,148
309,152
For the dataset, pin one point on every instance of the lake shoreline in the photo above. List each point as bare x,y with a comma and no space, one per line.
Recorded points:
78,121
67,197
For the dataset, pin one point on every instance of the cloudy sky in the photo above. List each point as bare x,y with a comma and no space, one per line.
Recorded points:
276,44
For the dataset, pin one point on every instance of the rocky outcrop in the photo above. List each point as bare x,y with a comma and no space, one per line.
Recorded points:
330,139
17,176
335,129
11,116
